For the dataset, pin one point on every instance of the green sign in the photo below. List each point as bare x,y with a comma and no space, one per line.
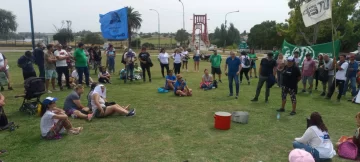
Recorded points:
326,48
243,45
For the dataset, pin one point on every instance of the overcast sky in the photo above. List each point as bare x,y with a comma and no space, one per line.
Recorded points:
85,13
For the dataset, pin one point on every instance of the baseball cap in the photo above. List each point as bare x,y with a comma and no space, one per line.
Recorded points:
48,100
291,59
298,155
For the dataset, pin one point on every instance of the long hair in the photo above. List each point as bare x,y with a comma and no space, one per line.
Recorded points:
252,51
44,108
316,120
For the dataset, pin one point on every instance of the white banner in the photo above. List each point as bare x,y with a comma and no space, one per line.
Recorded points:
316,11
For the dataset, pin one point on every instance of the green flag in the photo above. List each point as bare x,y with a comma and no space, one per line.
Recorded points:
326,48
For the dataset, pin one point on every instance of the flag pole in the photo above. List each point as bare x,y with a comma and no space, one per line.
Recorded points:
333,43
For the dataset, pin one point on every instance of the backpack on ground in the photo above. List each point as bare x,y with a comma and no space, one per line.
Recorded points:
215,84
3,118
247,61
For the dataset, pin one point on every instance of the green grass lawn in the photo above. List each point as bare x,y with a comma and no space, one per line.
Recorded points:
169,128
154,40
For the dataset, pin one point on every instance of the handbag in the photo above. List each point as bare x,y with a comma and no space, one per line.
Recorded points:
348,150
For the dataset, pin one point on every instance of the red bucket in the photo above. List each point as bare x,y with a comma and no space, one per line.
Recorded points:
222,120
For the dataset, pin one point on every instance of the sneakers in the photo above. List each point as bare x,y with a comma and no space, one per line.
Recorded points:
237,96
255,100
281,110
89,117
303,91
49,91
230,95
10,88
220,81
293,113
131,113
322,94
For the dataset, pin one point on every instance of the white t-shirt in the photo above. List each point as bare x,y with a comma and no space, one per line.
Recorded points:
177,57
101,102
185,53
47,122
341,74
242,58
164,58
197,53
107,73
62,53
75,75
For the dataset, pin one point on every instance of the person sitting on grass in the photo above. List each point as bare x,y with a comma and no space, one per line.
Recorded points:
73,106
137,72
316,139
75,75
207,81
180,87
170,81
54,121
101,108
104,76
92,87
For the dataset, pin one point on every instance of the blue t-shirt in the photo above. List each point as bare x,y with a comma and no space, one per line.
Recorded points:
354,66
26,64
233,65
173,78
179,86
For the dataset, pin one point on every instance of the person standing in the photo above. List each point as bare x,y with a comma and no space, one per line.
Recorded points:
234,65
111,54
61,66
351,75
307,71
275,52
279,68
215,60
164,61
297,59
25,62
245,64
177,56
185,59
70,61
81,64
145,63
50,68
197,60
253,58
97,58
291,76
4,67
329,68
319,63
340,78
266,70
39,59
130,58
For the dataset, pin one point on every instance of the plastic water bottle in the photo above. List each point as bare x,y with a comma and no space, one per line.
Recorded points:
278,116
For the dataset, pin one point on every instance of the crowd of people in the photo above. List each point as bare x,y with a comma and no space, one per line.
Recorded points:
58,62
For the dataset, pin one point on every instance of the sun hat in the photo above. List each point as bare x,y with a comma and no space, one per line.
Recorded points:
48,100
298,155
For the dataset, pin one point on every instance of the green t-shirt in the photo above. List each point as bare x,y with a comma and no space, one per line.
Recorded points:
252,56
215,60
276,54
80,58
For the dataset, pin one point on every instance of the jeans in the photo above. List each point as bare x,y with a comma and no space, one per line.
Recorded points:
166,66
111,62
129,71
352,80
312,151
262,80
279,78
338,83
147,68
177,67
81,71
246,72
41,71
232,77
63,70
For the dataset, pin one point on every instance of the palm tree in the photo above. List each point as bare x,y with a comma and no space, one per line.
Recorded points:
134,21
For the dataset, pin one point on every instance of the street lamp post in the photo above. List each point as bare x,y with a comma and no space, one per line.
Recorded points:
183,14
225,26
158,25
32,25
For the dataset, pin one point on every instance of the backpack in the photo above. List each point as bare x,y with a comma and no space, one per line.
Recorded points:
122,59
247,61
3,119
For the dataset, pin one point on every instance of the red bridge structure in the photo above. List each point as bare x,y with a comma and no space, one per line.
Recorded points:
200,22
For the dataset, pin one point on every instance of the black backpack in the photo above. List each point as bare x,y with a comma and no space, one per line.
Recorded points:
247,61
3,119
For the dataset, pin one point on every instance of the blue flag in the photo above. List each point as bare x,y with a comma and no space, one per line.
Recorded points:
114,25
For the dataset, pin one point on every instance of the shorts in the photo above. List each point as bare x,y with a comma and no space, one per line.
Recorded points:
215,70
178,94
97,113
253,65
50,74
291,92
196,58
307,78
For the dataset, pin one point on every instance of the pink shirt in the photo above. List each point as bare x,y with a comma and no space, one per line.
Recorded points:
308,67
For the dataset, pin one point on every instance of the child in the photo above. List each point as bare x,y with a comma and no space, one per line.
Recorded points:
137,72
54,121
170,81
75,75
104,76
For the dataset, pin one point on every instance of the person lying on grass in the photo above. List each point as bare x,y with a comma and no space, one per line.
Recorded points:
102,108
104,76
170,81
73,106
180,87
54,121
206,80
